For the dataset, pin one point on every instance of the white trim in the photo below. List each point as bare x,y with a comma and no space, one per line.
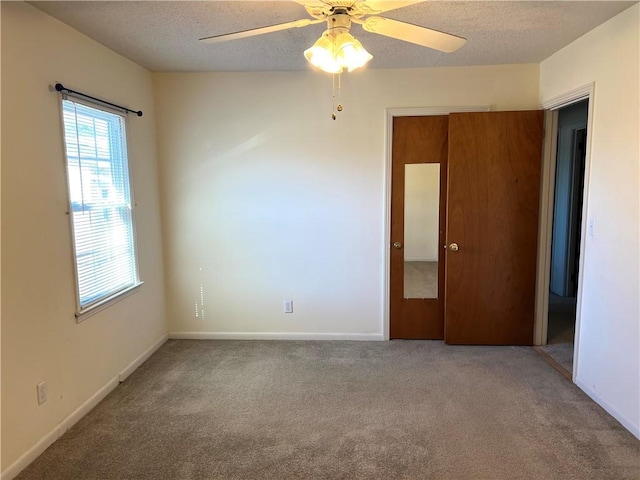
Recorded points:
122,376
583,233
586,92
106,302
570,97
626,423
46,441
390,113
92,102
545,228
274,336
430,111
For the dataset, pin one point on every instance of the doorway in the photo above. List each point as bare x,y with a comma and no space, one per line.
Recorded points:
568,193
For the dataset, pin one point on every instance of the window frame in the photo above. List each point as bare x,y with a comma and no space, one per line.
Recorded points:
101,303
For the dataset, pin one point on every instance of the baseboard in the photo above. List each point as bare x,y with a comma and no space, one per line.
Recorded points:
626,423
45,442
141,359
30,455
274,336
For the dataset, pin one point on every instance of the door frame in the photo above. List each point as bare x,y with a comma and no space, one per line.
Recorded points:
551,107
390,113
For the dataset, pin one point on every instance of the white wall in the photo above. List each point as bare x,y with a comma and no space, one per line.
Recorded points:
40,337
609,335
265,198
421,212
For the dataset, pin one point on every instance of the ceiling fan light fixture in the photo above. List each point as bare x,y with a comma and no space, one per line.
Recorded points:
350,53
321,56
336,50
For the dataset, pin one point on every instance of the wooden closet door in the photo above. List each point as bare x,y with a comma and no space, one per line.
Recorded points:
416,140
493,202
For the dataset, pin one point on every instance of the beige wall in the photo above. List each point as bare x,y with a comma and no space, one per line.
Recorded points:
609,345
266,198
40,337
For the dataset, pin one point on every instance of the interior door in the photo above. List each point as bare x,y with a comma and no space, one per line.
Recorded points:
418,216
492,227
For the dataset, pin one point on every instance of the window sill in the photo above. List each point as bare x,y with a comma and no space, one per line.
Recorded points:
91,310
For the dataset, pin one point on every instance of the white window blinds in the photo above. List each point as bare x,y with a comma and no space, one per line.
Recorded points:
100,200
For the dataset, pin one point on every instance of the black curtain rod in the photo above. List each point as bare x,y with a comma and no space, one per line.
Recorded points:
61,88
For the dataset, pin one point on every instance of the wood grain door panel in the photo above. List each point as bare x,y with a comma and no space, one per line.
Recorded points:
493,201
416,140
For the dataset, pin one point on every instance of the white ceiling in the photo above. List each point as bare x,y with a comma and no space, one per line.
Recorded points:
163,36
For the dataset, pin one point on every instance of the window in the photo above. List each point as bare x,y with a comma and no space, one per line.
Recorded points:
100,203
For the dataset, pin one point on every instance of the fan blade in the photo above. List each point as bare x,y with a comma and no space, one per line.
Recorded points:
315,8
378,6
408,32
259,31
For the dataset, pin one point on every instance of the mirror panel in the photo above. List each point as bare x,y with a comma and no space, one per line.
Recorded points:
421,222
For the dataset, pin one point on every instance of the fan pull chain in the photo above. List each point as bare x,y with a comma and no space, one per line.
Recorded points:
333,96
339,108
339,91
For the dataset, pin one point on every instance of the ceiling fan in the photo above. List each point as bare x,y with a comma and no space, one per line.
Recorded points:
337,49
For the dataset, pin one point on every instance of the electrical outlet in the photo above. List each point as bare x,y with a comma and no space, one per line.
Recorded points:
42,392
288,306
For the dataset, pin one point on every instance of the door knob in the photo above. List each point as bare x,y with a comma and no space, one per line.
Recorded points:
397,245
454,247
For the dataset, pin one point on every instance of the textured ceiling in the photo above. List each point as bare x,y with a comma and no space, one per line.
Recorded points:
163,36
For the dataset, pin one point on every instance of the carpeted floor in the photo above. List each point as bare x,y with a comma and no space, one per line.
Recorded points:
343,410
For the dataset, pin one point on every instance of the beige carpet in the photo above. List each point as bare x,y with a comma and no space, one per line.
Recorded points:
420,279
343,410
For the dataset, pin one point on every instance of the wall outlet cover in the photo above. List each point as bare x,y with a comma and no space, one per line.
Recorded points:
41,389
